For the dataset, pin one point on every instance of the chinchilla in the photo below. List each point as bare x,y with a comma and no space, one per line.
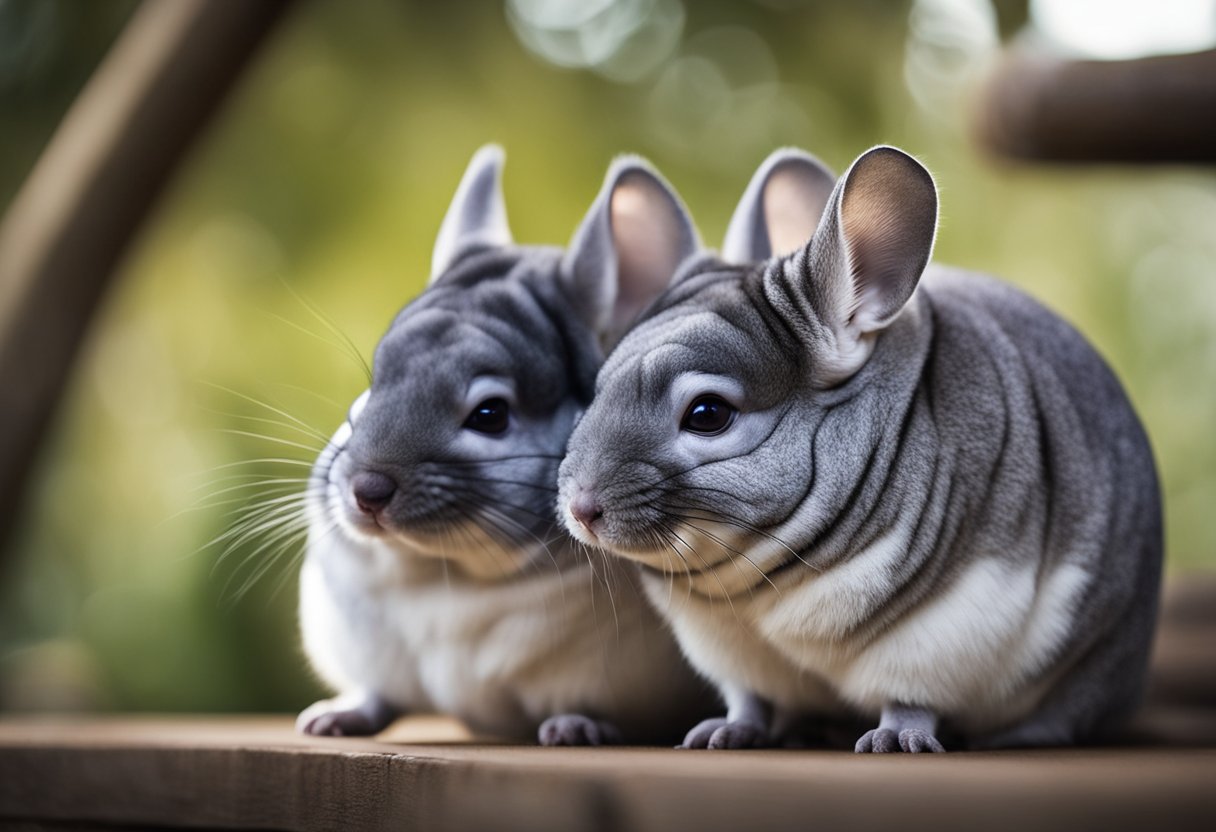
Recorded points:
861,484
437,577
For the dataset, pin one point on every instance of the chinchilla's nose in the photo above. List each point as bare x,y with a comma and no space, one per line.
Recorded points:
372,490
585,508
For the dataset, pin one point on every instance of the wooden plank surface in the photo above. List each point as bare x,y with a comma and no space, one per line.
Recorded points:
256,773
427,773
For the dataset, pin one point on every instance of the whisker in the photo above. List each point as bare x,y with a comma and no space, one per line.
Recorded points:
495,511
684,561
293,566
539,487
251,478
339,406
713,572
265,482
331,326
548,518
720,516
209,501
276,439
463,507
255,525
500,459
285,530
265,420
688,519
284,542
299,424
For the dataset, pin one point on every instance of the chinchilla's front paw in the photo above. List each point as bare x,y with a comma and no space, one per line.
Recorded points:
720,732
887,741
576,729
345,716
918,741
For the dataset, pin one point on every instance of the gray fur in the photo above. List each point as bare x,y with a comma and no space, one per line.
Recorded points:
477,217
954,433
452,588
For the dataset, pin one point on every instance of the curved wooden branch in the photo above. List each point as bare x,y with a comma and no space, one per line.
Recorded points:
95,183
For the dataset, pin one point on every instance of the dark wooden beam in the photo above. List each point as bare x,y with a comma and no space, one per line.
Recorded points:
1151,110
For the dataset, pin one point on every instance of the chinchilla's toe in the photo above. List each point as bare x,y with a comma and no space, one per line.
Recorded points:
917,741
878,741
699,736
734,735
577,730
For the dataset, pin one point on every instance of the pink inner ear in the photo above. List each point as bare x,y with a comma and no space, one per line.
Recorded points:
888,218
793,205
647,236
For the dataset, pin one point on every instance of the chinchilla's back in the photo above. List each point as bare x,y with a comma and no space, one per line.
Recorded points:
1069,465
1006,456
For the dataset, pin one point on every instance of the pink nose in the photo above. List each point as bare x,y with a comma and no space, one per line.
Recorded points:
372,491
585,508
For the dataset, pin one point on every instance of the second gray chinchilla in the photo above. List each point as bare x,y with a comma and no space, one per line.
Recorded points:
437,577
858,483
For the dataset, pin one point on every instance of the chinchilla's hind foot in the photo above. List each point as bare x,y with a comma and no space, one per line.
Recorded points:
720,732
576,729
349,715
902,728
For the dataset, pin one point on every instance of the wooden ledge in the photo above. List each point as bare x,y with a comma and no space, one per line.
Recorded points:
256,773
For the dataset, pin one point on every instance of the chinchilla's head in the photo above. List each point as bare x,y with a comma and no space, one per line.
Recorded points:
453,451
701,422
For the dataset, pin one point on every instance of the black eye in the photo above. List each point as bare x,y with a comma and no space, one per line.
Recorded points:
488,417
708,415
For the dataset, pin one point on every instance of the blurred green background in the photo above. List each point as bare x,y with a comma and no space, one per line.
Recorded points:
328,172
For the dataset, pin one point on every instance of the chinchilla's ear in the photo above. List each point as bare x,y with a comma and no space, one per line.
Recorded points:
628,247
780,209
867,256
477,217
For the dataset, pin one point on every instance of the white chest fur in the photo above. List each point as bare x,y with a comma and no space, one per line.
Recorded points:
969,651
502,656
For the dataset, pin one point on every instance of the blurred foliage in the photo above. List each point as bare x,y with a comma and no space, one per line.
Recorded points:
328,174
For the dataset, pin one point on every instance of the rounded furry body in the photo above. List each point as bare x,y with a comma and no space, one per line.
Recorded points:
437,577
953,515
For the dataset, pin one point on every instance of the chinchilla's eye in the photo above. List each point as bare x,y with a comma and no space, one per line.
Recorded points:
708,415
488,417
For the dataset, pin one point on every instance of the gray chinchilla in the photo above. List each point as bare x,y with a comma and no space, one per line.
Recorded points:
861,484
437,577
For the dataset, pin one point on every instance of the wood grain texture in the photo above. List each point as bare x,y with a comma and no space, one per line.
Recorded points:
428,773
255,773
